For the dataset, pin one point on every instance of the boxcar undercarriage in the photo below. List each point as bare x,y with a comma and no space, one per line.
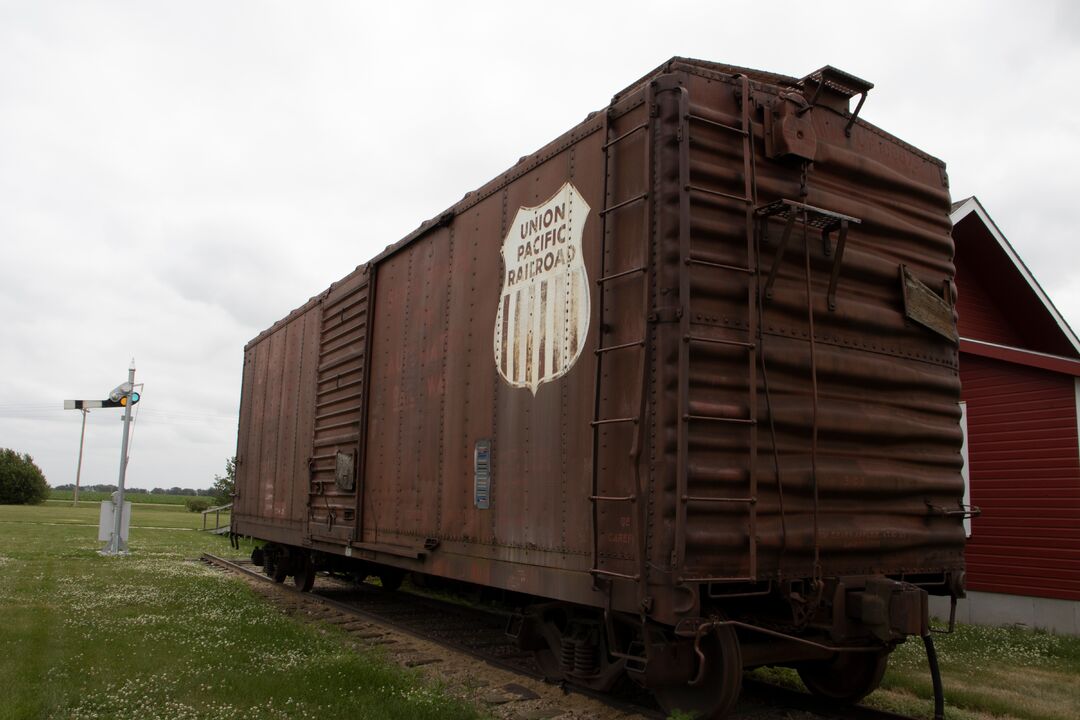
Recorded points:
836,632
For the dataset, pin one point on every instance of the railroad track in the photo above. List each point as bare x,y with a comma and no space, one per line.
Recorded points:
374,616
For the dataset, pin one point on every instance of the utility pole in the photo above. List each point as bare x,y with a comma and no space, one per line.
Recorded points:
78,470
116,545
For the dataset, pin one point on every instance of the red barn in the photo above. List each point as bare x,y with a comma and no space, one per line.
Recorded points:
1019,368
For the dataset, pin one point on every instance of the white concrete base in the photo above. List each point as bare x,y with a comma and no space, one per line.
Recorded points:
983,608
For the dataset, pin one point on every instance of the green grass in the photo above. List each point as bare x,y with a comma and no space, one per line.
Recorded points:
987,673
142,498
157,635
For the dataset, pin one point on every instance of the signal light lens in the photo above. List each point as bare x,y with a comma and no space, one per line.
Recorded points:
134,398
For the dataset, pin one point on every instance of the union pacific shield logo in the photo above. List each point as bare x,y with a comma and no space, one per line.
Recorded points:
543,314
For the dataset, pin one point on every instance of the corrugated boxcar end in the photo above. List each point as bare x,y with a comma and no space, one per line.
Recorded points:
744,422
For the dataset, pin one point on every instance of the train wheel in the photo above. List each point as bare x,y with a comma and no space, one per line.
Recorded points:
847,678
304,577
279,569
718,692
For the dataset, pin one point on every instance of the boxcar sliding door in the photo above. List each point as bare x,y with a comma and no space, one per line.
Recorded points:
334,467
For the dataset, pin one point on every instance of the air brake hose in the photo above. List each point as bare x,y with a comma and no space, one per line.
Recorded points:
935,676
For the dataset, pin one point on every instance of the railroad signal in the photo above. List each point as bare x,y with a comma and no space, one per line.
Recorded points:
124,396
120,391
123,401
120,396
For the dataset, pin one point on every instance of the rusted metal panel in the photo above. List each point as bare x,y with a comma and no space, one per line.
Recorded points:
275,427
305,420
382,472
272,420
285,442
408,350
1025,476
529,428
883,439
256,479
420,419
242,500
469,384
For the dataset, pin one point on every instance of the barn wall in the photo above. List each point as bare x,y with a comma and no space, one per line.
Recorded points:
979,316
1025,476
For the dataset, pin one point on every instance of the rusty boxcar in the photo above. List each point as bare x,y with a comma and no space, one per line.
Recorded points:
685,379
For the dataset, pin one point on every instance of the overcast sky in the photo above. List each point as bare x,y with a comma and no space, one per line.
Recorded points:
174,177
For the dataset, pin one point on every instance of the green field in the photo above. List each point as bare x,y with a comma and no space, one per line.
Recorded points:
141,498
158,635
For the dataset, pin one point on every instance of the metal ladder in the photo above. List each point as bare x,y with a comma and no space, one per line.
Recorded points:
690,340
641,272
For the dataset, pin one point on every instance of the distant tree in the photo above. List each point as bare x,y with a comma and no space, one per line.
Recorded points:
225,485
21,480
196,504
